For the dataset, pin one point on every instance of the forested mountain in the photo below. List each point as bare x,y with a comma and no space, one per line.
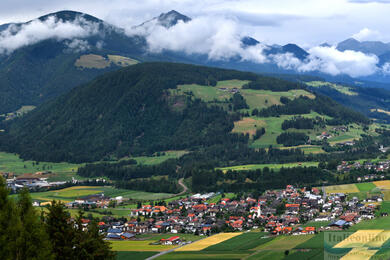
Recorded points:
133,111
34,73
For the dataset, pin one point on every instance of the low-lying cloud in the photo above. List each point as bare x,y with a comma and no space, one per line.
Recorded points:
331,61
220,39
17,36
217,37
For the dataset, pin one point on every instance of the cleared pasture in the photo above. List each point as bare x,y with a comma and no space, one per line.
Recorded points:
273,166
10,162
92,61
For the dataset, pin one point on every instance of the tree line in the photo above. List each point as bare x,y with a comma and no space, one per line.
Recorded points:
26,234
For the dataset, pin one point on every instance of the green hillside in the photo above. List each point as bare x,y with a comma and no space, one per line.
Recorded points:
153,107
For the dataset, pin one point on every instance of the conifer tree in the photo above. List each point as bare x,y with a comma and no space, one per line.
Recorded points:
33,241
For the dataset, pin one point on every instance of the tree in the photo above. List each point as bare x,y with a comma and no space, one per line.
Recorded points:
33,241
10,225
60,232
89,243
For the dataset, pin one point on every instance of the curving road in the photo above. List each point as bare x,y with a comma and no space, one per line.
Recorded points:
185,188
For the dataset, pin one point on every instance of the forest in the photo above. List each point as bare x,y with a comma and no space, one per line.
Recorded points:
127,113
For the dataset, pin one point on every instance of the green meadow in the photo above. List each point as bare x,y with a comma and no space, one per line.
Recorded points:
273,166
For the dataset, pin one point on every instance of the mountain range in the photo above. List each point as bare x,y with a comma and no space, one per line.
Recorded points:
36,72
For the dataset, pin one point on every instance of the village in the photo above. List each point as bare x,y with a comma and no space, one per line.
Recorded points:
377,167
291,211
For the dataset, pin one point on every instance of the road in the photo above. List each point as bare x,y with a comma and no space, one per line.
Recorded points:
185,188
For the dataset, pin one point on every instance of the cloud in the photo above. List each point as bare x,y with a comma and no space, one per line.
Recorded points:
367,34
369,1
218,37
331,61
77,45
17,36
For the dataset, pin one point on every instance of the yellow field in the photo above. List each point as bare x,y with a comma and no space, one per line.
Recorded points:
202,244
363,238
382,184
138,246
345,188
359,254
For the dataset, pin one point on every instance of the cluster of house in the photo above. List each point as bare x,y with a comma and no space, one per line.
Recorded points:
278,212
31,181
378,167
231,90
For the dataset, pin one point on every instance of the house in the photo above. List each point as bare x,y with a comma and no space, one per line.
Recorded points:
127,236
170,241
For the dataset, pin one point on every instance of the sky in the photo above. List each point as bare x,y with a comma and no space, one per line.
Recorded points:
217,28
305,22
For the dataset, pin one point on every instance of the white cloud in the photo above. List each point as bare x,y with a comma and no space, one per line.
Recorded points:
218,37
331,61
16,37
287,61
386,68
77,45
366,34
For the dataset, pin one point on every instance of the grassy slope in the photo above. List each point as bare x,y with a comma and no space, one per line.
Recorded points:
10,162
271,166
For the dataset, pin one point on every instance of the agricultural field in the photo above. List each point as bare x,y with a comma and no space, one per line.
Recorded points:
242,242
284,242
344,188
365,186
273,166
376,223
209,241
126,255
384,187
197,255
142,246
